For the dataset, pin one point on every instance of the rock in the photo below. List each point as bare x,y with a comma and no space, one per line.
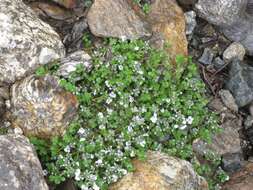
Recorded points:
40,107
161,172
220,12
234,51
240,83
218,63
231,17
19,166
232,162
248,123
191,22
26,42
241,180
4,92
109,18
74,39
225,143
69,64
207,57
228,100
2,107
168,27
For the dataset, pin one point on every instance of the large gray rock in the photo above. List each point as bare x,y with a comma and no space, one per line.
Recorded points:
240,82
26,42
110,18
232,18
40,107
20,168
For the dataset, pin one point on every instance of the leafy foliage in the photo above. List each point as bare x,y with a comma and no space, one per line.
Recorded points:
133,100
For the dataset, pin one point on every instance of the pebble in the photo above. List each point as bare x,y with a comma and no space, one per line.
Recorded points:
207,57
218,63
232,162
228,99
190,18
234,51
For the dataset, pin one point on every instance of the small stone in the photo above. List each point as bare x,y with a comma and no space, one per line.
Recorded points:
41,107
191,22
248,122
234,51
232,162
218,63
20,166
4,93
161,172
18,131
228,99
240,83
225,142
70,63
110,18
207,57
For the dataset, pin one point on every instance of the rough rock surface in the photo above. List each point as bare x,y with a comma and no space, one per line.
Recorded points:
228,100
232,18
241,180
20,168
234,51
41,107
168,27
240,83
69,64
25,41
161,172
110,18
221,12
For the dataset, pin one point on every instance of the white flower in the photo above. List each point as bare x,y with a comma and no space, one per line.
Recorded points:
82,139
154,118
45,172
143,143
101,126
120,67
77,175
131,99
67,149
136,48
176,126
189,120
182,127
81,131
100,115
114,178
109,100
99,162
95,187
109,111
123,38
107,83
84,187
112,95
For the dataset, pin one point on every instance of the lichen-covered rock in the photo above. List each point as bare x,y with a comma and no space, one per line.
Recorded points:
232,17
41,107
161,172
20,168
221,12
170,26
70,63
234,51
110,18
25,41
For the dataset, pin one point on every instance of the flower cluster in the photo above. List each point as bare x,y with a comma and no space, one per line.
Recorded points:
131,101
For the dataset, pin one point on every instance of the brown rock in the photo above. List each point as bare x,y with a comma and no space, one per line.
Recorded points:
161,172
241,180
168,25
40,107
110,18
